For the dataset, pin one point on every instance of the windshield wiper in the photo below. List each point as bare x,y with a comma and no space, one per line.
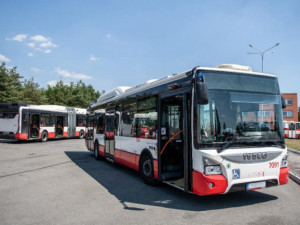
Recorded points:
227,144
277,143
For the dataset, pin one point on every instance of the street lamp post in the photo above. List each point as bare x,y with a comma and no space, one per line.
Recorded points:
262,54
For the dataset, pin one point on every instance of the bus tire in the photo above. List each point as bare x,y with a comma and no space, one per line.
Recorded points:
81,134
146,169
96,151
44,136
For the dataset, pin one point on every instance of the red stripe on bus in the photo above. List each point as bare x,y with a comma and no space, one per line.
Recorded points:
286,128
102,150
155,168
65,134
77,134
51,135
201,184
21,136
286,135
127,159
283,176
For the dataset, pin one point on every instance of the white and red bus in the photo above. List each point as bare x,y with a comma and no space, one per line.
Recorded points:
292,129
206,131
41,122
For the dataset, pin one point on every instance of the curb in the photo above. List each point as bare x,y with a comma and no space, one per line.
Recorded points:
294,178
292,175
294,151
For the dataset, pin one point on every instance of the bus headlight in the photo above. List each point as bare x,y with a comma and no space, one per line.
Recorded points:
284,162
212,170
211,167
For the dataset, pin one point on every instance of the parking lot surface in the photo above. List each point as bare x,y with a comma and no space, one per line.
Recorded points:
59,182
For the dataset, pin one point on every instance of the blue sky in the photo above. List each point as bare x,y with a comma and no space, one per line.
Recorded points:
114,43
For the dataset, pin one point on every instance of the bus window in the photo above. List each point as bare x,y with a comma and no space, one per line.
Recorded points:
80,121
129,110
47,120
100,125
146,118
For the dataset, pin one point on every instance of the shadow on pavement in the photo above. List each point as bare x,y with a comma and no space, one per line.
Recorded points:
127,186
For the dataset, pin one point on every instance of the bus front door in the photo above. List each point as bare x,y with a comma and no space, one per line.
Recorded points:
109,136
34,129
173,141
59,128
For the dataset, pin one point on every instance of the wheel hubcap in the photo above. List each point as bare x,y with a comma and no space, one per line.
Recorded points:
147,168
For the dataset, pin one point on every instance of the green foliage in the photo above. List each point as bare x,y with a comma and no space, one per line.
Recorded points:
74,94
10,84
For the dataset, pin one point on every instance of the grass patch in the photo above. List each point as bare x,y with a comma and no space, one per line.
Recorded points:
293,144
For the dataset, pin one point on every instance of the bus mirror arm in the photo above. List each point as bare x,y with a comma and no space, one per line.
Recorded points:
283,103
201,93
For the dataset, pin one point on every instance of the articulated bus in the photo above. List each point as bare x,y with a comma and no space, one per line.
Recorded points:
292,129
205,131
40,122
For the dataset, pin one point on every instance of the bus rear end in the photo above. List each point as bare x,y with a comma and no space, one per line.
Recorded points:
9,120
239,139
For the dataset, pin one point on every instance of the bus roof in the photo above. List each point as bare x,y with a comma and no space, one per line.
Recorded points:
121,92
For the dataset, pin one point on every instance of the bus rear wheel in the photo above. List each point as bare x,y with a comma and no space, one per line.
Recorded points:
146,169
96,151
81,134
44,136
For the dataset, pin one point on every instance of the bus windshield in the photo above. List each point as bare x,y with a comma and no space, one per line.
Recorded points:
241,116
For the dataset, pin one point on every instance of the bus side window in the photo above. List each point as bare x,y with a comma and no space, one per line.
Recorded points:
100,125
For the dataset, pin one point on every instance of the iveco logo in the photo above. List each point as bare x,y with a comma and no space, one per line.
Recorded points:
255,156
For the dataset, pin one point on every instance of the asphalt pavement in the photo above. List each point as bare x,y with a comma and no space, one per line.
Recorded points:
60,182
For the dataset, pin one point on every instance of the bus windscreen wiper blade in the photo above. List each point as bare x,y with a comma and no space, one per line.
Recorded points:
227,144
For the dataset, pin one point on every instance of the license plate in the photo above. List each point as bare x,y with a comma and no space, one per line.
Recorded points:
256,185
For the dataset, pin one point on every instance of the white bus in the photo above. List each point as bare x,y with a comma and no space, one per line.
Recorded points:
40,122
206,131
292,129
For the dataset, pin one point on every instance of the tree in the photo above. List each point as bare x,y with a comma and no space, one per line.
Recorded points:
73,94
31,93
10,84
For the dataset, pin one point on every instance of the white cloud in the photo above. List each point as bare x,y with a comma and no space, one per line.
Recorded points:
30,54
47,51
93,58
31,45
48,44
19,37
4,59
35,70
39,38
52,83
108,35
67,74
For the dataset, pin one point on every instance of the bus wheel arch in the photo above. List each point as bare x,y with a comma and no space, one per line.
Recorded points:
44,136
146,168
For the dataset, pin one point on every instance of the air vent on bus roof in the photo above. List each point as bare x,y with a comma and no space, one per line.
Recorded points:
234,67
112,93
141,85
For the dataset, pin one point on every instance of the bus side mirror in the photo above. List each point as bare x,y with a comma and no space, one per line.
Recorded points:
202,93
283,103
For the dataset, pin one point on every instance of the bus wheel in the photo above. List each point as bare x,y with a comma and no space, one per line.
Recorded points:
96,151
146,169
81,134
44,137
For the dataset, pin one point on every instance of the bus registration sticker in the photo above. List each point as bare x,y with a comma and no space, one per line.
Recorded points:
256,185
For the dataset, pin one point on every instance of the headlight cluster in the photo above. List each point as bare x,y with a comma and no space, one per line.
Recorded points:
284,162
211,167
